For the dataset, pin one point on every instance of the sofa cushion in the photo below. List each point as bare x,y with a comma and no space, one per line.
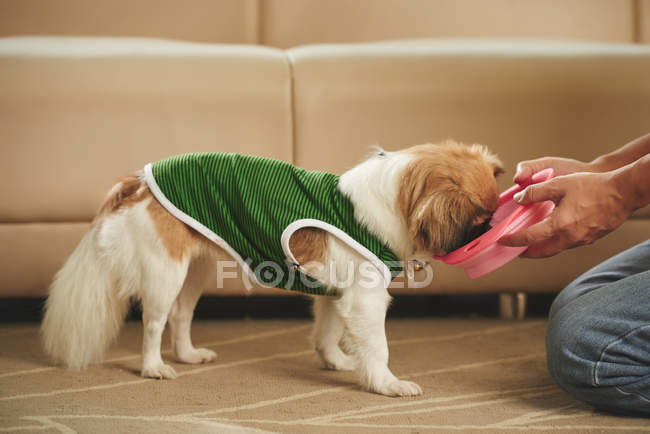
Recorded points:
522,99
77,113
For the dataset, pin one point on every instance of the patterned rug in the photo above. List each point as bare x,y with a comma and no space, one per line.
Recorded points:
478,375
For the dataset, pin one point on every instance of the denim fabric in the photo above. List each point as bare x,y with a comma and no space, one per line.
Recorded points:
598,337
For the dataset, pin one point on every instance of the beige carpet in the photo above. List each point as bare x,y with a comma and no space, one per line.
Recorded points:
477,375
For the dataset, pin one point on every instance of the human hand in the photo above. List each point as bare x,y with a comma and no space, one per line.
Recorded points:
560,166
587,207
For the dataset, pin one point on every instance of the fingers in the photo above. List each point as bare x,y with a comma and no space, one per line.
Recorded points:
534,234
546,229
541,239
547,248
540,244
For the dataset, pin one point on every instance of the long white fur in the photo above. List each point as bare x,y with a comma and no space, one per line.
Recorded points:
81,297
373,188
122,257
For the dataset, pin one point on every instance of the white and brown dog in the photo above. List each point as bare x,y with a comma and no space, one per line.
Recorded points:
421,201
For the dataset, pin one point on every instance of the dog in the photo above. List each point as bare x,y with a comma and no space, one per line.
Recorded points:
143,244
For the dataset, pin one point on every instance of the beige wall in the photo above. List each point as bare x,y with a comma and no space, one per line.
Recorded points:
287,23
312,21
226,21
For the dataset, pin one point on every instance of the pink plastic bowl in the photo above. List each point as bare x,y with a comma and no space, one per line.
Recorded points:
484,254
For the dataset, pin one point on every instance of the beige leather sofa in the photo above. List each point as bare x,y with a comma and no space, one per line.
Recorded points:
78,112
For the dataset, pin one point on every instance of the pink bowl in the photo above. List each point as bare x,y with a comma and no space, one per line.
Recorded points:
484,254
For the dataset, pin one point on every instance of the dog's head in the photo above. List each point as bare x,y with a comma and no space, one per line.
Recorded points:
448,194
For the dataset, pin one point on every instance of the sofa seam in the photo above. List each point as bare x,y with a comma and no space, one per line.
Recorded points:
259,25
292,105
636,11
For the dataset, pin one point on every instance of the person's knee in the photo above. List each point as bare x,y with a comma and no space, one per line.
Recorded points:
596,370
579,287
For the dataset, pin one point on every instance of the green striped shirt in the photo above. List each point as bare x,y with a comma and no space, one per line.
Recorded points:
248,201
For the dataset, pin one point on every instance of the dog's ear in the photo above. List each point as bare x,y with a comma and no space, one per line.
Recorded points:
490,159
443,221
439,213
448,194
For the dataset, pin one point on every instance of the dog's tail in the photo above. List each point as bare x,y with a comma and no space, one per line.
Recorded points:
84,312
86,306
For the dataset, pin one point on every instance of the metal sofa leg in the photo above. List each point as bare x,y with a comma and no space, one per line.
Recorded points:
512,305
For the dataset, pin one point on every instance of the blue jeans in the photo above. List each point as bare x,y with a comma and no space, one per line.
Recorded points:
598,337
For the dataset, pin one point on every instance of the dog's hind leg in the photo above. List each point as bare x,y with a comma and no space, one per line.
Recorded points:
161,287
328,331
182,311
171,247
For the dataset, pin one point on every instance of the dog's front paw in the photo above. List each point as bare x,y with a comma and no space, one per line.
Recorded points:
160,371
400,388
198,355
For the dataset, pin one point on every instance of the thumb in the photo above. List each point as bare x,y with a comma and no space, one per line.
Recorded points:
541,192
526,169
